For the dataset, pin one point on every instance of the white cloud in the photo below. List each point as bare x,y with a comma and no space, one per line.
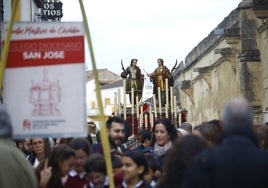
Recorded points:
147,29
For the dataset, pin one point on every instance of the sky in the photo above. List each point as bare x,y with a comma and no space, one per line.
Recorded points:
146,29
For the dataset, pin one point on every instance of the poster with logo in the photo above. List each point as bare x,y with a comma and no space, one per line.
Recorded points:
44,81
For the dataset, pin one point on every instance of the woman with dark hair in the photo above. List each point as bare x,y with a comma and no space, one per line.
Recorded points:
209,132
134,167
41,148
261,131
164,134
177,160
55,171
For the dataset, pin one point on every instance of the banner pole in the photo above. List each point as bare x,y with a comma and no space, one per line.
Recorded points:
103,131
5,50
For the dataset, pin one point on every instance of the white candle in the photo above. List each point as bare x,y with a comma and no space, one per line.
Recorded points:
151,116
152,121
146,121
155,110
179,117
141,109
166,110
125,100
171,100
132,100
141,121
167,97
175,111
137,107
175,106
115,104
119,101
159,100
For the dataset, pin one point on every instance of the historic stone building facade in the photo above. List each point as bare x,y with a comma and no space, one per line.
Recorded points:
232,61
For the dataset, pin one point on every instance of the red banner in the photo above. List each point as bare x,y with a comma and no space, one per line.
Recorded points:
52,51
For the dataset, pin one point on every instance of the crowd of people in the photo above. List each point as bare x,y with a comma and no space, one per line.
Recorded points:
229,152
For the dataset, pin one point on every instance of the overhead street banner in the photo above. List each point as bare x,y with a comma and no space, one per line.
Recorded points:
44,81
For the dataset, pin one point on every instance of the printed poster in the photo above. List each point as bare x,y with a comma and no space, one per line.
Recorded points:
44,81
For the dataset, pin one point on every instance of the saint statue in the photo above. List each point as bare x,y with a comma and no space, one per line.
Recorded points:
158,77
134,80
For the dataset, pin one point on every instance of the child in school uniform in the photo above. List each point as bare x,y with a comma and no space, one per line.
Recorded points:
153,170
134,166
95,168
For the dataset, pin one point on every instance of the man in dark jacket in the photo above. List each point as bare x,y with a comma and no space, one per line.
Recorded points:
237,161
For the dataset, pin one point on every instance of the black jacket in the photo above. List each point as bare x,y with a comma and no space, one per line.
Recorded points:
236,163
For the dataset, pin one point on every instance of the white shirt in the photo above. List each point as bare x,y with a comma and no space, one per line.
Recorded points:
36,163
137,185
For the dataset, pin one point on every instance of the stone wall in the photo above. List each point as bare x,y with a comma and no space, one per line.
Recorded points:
230,62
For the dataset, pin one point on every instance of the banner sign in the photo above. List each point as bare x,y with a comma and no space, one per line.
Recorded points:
44,82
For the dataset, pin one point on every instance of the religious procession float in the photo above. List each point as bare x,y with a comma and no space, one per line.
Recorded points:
141,115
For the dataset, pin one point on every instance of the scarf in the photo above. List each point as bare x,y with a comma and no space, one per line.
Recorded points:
161,150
